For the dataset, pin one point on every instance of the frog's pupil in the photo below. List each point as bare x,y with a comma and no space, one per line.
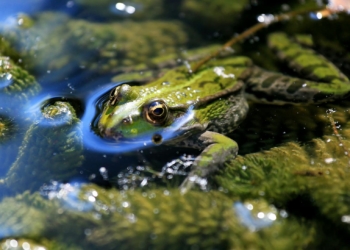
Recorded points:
158,111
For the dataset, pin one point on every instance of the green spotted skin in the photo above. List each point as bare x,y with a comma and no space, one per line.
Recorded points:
216,96
216,99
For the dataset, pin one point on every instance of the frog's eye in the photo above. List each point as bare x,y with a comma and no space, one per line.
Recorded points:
114,96
156,112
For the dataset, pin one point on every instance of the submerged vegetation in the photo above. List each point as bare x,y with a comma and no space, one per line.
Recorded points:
287,188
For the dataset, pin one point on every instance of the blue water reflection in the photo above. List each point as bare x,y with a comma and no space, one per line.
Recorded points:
12,8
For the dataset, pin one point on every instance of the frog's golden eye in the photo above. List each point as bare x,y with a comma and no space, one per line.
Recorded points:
156,112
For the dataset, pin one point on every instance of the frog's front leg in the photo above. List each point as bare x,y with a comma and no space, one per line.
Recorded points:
217,150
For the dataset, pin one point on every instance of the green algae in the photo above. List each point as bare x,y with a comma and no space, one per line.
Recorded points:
51,149
17,87
37,219
286,123
196,12
116,46
304,179
9,141
6,128
155,219
16,81
100,47
6,49
221,13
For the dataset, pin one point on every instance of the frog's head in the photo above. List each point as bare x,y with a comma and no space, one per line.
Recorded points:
128,115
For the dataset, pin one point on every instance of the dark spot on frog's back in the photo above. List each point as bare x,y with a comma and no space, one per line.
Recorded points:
296,54
181,78
321,97
203,83
329,79
295,86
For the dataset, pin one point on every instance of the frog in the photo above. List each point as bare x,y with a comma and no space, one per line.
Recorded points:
199,108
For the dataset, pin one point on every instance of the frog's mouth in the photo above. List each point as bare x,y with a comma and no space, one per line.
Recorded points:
111,134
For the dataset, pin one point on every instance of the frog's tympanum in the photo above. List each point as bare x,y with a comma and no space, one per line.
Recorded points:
201,107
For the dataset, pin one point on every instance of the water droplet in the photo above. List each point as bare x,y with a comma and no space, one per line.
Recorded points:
329,160
70,4
267,19
144,182
97,216
125,204
345,219
91,198
260,215
249,206
104,173
271,216
26,246
131,218
120,6
283,213
87,232
13,243
130,9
